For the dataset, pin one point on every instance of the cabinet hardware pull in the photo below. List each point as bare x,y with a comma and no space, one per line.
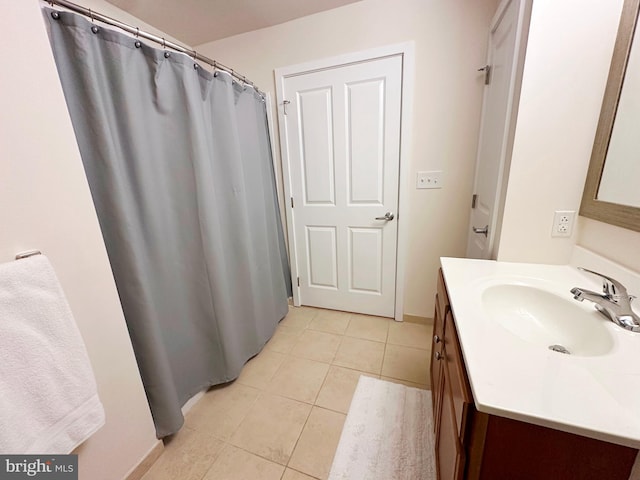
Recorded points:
436,339
439,356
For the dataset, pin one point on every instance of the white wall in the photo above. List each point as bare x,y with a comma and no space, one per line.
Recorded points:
615,243
45,204
567,63
451,40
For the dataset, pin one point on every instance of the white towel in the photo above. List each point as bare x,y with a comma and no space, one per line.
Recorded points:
48,396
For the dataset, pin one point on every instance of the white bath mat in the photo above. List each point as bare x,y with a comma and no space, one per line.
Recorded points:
387,435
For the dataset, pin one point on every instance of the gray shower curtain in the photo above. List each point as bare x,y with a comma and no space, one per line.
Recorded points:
179,165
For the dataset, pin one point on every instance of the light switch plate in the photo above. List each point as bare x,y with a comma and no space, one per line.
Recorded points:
431,179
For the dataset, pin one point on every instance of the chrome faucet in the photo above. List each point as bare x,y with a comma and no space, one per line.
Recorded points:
614,303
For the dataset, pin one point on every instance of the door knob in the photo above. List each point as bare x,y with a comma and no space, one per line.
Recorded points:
387,216
484,230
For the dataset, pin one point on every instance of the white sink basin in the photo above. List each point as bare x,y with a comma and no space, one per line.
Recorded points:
545,319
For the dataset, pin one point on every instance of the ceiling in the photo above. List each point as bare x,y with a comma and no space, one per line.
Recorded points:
195,22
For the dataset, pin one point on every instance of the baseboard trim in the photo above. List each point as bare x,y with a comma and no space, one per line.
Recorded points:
417,319
145,464
192,401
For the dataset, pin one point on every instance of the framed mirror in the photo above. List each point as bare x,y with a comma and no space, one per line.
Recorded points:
612,189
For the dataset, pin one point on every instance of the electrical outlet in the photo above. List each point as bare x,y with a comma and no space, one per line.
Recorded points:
432,179
563,223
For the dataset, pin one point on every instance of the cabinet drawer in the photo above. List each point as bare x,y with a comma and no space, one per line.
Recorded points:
461,396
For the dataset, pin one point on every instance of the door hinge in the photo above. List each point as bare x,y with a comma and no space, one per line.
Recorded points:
487,73
291,202
284,106
298,281
474,200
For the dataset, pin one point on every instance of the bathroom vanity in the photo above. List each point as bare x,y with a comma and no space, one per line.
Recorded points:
508,406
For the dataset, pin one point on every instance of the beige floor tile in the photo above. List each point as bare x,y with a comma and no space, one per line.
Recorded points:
272,427
337,391
259,371
364,355
305,311
421,386
410,335
296,322
187,456
317,445
368,327
320,346
284,339
405,363
331,321
290,474
221,409
299,379
236,464
299,317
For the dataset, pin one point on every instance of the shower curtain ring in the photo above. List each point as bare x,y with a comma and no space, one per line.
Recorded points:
95,28
163,43
137,32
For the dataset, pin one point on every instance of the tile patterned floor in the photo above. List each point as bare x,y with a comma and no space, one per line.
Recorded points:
282,418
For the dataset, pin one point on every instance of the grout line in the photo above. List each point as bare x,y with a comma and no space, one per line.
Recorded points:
228,441
215,459
296,470
335,354
299,436
367,339
384,357
324,380
253,403
256,455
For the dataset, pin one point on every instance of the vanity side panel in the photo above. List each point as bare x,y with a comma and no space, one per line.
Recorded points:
514,449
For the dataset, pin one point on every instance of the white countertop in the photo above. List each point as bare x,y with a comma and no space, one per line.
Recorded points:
595,396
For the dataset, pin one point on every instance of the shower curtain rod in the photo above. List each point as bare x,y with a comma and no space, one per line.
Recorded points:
87,12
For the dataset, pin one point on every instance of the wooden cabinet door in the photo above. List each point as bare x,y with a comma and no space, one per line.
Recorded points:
461,396
452,399
437,360
449,451
437,347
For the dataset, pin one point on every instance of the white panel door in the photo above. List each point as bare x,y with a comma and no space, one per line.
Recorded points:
494,135
342,144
